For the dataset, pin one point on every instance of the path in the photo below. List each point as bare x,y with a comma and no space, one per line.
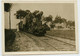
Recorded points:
29,42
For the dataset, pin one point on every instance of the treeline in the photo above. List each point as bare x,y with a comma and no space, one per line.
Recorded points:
36,23
33,23
60,20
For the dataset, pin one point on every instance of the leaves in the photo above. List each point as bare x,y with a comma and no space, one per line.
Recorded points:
58,19
70,23
34,21
7,7
48,19
20,14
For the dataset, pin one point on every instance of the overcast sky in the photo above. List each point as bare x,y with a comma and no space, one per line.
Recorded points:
65,10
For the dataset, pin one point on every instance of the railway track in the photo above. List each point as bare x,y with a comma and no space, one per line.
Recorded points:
40,40
46,44
58,40
55,39
27,43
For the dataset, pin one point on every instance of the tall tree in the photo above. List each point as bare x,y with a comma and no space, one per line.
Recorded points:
38,16
7,8
58,19
48,19
20,14
64,20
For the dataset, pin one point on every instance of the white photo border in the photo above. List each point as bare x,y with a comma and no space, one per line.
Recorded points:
43,52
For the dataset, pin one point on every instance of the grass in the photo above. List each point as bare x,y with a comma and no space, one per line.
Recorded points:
68,34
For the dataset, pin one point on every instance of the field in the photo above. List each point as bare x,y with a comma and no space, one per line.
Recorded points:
68,34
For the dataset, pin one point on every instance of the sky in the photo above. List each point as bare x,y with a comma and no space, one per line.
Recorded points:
65,10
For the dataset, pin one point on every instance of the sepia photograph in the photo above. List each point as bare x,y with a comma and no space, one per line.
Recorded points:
39,27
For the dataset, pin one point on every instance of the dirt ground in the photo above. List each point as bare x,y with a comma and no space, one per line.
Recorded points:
67,34
28,42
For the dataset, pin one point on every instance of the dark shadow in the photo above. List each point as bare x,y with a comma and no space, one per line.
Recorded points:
9,39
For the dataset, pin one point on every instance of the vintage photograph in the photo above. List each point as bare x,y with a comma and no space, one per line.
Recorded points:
39,27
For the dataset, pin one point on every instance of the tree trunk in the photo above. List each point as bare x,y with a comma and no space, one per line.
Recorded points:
9,20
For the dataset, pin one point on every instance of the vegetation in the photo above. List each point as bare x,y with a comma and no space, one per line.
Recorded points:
71,23
7,8
36,24
67,34
68,23
9,34
33,23
58,19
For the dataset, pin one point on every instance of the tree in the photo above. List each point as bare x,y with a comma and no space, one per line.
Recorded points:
64,20
7,8
38,14
29,17
73,23
20,14
35,12
48,19
70,23
36,27
52,24
58,19
33,23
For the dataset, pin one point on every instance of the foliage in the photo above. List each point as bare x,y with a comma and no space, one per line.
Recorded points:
58,19
48,19
33,23
7,7
38,14
64,20
70,23
20,14
67,23
52,25
36,27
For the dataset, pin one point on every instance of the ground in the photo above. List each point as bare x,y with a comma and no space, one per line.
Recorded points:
68,34
28,42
